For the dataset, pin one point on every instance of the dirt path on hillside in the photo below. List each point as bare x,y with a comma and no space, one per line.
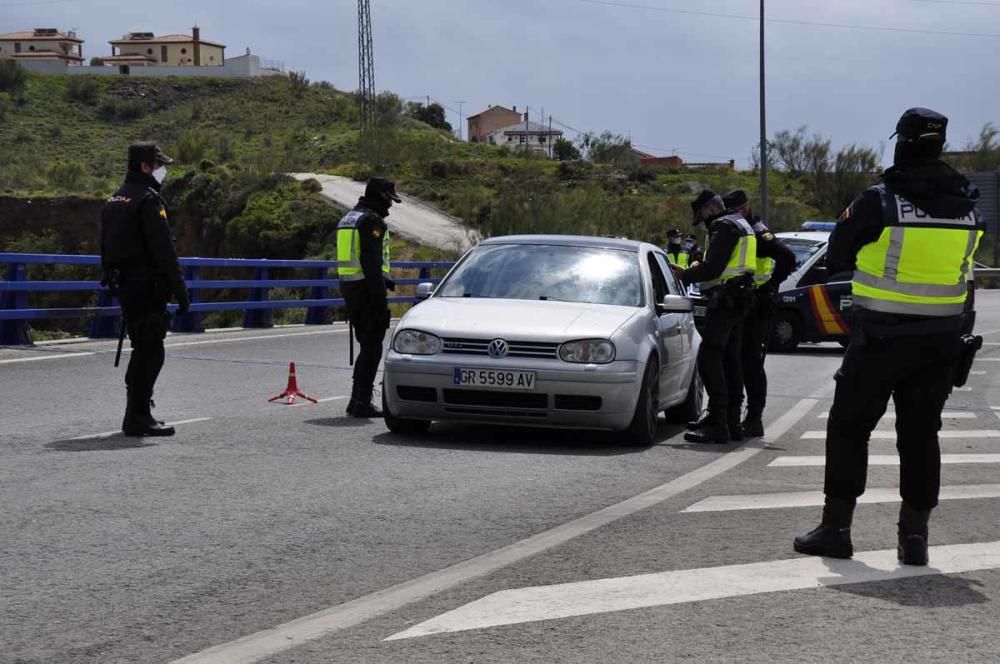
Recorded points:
413,219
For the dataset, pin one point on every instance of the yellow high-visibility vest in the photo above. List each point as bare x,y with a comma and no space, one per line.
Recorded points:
349,247
919,265
743,259
680,259
765,268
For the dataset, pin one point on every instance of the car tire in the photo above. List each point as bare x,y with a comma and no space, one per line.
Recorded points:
642,430
690,409
402,425
786,332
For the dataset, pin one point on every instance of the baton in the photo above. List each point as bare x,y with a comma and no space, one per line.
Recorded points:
350,341
121,339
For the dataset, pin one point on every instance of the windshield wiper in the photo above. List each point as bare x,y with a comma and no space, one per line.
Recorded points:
549,297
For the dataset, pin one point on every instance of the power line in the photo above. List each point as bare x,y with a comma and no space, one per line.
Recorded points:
961,2
846,26
37,2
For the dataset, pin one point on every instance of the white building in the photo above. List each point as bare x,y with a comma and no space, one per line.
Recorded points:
526,136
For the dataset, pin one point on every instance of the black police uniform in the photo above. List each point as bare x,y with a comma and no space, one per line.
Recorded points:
719,361
910,358
757,327
140,263
366,299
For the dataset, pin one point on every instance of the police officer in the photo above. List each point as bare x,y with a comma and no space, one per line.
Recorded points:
691,246
676,253
910,240
726,278
774,263
363,271
140,266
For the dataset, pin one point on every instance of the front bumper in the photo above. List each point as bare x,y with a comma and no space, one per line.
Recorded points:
599,397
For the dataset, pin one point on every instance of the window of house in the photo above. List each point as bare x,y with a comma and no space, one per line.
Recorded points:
163,53
149,51
31,48
17,47
211,58
184,51
541,139
522,139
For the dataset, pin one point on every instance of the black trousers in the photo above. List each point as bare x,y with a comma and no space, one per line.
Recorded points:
756,330
719,361
917,372
370,318
147,322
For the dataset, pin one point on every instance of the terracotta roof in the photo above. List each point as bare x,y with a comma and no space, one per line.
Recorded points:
491,108
31,36
128,59
166,39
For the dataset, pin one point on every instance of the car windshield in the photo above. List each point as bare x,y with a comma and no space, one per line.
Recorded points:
591,275
803,249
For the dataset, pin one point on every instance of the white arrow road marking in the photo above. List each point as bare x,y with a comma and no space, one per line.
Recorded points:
108,434
254,647
882,460
511,607
946,415
767,501
891,435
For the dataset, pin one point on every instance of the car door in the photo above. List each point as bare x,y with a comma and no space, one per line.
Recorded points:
670,330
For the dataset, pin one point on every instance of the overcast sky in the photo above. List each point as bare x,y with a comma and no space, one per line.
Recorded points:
657,70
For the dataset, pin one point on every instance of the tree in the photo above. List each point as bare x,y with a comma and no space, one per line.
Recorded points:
432,114
983,153
564,150
608,148
12,76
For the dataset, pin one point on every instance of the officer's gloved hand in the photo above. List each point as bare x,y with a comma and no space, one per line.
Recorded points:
183,303
390,285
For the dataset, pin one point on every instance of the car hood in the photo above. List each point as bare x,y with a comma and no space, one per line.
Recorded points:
522,320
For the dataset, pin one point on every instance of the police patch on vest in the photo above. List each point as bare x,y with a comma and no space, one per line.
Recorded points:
163,213
908,212
768,236
376,232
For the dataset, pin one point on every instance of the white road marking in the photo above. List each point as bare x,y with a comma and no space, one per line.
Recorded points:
522,605
988,359
881,460
768,501
292,634
946,415
977,373
962,389
891,435
38,358
324,400
254,338
108,434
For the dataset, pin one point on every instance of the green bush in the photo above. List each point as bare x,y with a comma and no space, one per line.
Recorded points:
66,175
13,76
112,109
191,147
83,89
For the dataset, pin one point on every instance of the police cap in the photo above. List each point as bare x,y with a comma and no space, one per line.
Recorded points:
921,123
382,187
734,199
673,232
146,153
703,199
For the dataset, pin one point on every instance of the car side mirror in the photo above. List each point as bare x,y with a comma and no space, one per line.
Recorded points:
424,290
675,304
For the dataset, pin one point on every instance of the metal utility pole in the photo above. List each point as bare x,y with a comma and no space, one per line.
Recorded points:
460,118
366,66
763,126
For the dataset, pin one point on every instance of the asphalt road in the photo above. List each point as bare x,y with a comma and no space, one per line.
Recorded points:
280,534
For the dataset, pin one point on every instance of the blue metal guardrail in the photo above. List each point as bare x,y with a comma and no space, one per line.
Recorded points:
15,314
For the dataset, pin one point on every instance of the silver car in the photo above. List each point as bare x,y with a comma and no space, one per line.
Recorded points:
548,331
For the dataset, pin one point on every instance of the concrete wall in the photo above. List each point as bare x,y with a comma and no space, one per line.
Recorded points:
244,66
989,197
180,54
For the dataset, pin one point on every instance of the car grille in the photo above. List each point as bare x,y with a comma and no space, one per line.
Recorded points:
412,393
495,399
577,402
537,349
493,412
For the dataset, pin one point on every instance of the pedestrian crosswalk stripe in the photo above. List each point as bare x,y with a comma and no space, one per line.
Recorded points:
565,600
767,501
946,415
891,435
881,460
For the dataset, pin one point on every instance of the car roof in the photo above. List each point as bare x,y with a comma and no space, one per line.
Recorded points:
816,236
620,244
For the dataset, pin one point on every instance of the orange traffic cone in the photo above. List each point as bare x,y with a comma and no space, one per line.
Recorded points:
292,390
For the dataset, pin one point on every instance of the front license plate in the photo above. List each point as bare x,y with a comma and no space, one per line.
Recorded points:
699,311
494,379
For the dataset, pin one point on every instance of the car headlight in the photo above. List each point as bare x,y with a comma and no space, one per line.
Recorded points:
588,351
415,342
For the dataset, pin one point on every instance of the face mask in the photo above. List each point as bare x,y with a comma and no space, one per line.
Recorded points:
675,240
688,244
160,174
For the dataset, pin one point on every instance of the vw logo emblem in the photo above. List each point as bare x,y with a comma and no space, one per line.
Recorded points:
498,348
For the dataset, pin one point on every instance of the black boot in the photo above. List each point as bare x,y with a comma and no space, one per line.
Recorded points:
363,407
753,425
735,428
912,549
715,430
149,415
832,538
699,423
139,421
